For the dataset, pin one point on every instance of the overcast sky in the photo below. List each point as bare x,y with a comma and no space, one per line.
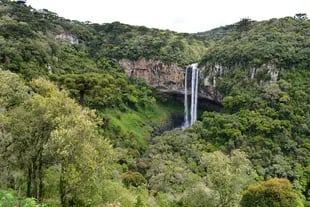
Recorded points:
177,15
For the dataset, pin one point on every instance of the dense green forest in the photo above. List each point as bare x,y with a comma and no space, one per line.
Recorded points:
75,130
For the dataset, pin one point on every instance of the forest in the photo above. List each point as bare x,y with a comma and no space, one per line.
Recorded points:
76,130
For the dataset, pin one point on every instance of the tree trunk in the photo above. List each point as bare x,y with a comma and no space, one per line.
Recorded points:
62,189
40,172
29,181
34,180
82,98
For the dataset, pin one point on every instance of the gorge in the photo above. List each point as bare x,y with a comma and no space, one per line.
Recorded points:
88,111
169,79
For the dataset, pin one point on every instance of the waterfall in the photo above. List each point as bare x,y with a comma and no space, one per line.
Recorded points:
185,101
194,95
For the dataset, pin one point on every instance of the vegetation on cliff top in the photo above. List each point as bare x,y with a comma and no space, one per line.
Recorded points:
283,42
36,42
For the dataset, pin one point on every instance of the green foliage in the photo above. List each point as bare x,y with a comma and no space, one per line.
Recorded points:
173,160
133,179
273,192
114,193
227,177
132,128
137,42
264,116
8,199
139,202
53,127
267,120
108,89
58,152
282,42
182,167
30,202
13,90
36,43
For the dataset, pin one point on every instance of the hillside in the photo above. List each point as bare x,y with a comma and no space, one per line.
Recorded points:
282,42
33,40
76,130
262,69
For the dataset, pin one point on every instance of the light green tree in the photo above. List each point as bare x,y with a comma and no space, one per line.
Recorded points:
13,93
13,90
53,131
227,177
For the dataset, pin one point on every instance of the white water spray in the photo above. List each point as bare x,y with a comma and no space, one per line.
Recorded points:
194,95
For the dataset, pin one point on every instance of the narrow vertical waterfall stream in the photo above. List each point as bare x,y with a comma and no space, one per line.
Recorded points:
186,124
194,72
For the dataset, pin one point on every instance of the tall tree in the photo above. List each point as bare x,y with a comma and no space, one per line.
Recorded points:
83,83
53,131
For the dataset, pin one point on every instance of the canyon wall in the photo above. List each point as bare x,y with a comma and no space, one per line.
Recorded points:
156,73
168,78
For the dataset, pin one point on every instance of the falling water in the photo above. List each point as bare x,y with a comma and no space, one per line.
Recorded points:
185,101
194,95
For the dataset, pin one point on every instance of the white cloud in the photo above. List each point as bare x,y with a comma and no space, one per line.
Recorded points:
182,15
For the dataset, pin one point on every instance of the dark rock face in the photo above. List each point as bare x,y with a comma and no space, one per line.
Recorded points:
210,93
169,79
156,73
205,101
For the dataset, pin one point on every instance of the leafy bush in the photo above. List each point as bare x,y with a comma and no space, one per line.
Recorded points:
274,192
133,179
8,199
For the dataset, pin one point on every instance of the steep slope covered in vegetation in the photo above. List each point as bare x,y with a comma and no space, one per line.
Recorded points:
34,42
283,42
263,70
40,44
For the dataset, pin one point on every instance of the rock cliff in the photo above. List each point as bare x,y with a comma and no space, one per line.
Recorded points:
168,78
156,73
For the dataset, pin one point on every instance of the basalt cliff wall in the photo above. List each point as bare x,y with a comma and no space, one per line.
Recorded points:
156,73
168,78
